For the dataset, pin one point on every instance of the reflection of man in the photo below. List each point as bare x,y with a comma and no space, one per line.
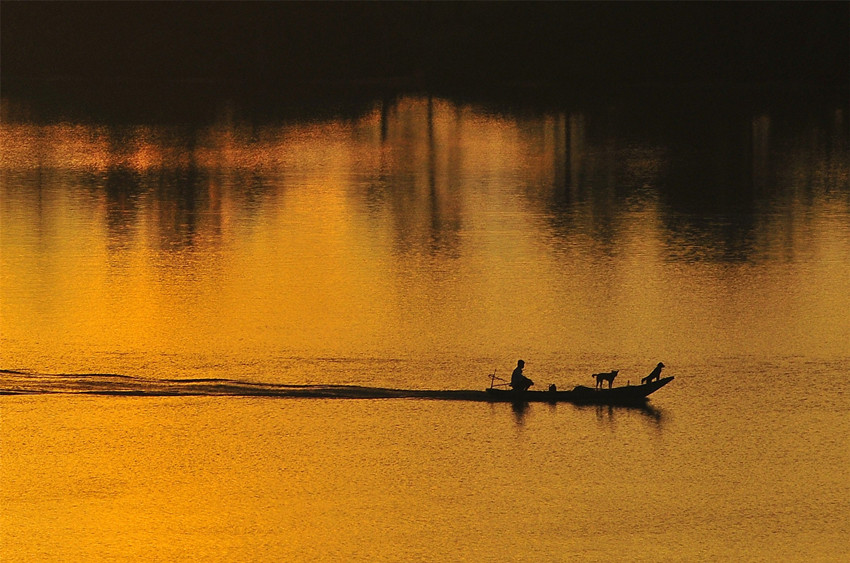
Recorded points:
519,382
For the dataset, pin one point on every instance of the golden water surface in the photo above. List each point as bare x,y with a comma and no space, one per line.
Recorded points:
424,243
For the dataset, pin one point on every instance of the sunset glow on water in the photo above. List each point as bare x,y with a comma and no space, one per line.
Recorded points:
433,229
423,244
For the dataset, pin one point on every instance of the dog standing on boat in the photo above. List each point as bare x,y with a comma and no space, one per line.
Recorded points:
605,376
655,375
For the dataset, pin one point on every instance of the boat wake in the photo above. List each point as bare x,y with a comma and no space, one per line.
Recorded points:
26,383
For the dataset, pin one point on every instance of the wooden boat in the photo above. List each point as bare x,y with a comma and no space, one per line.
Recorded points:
625,395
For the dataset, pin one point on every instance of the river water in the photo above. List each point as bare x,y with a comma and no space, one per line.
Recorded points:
424,243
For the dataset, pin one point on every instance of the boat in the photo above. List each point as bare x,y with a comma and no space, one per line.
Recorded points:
624,395
15,383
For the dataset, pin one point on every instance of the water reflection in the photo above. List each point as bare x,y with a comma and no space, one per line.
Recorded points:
123,187
713,178
429,226
520,409
607,415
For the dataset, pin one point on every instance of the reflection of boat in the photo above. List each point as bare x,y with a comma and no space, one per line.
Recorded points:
626,395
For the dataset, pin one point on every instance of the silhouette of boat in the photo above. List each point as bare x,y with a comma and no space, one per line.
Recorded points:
13,383
625,395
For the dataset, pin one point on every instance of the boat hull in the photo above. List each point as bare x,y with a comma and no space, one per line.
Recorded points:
626,395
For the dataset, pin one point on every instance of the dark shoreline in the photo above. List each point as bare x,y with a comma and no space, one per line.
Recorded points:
199,102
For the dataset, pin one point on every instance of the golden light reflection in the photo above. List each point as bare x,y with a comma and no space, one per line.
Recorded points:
421,227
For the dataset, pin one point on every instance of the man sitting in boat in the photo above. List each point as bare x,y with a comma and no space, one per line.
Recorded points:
519,382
